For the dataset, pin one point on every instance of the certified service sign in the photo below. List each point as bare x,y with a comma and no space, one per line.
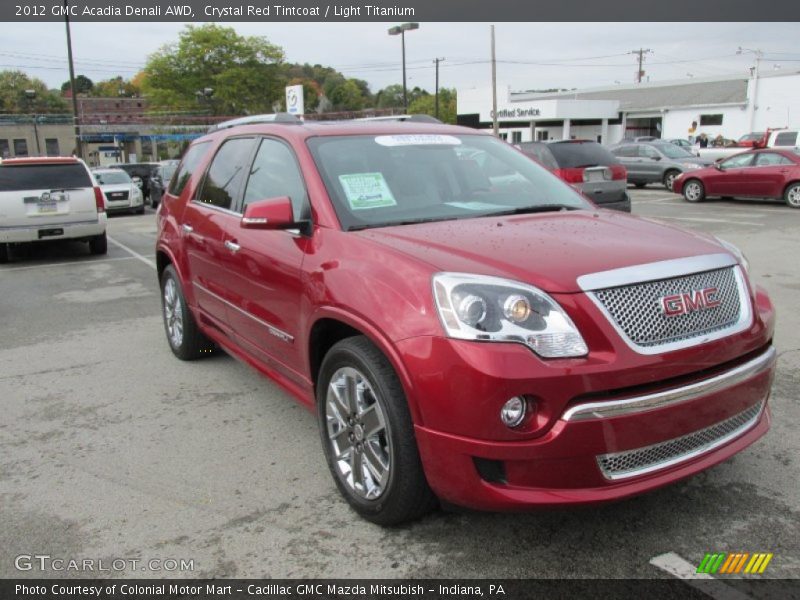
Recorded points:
294,100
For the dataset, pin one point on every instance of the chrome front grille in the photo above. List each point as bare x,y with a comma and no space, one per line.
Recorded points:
658,456
637,311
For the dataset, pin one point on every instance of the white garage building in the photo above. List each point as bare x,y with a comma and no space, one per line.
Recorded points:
675,109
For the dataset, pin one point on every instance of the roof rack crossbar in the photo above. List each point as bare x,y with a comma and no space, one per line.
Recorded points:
280,117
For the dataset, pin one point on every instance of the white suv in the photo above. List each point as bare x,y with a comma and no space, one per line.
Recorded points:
50,198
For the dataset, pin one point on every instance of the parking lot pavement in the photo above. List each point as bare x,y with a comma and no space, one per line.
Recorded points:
112,448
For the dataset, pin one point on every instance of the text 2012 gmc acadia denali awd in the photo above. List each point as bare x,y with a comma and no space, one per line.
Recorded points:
465,325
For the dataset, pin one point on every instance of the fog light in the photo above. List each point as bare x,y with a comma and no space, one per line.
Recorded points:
513,411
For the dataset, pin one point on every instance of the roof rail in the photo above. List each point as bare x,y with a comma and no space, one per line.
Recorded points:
412,118
280,117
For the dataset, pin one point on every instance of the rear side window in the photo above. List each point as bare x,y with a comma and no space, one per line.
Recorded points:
226,173
770,158
572,155
540,153
626,151
15,178
187,168
787,138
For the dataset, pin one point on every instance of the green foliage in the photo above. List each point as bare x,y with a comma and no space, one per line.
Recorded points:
114,87
426,104
13,85
83,85
242,71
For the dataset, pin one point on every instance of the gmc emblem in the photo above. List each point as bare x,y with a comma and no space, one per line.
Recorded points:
689,302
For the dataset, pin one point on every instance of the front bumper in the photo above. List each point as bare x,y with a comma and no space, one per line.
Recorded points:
604,451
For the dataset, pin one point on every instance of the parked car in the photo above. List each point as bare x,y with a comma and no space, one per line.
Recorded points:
50,198
490,340
788,139
122,194
144,171
765,173
160,180
685,144
588,167
655,162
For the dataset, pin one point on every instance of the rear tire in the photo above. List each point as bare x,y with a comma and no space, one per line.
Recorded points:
368,436
669,178
5,253
694,191
185,339
140,211
792,195
639,184
99,244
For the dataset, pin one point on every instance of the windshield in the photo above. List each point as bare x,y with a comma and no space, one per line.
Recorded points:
751,137
382,180
112,177
673,151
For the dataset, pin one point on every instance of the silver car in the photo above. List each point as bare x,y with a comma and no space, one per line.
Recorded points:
656,162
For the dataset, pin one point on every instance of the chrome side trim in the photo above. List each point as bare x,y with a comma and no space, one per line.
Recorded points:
744,322
676,459
638,404
665,269
278,333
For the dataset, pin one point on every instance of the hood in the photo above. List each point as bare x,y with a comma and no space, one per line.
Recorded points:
548,250
117,187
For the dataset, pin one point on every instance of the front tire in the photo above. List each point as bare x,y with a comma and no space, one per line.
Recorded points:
368,436
669,178
185,339
694,191
99,244
792,195
5,253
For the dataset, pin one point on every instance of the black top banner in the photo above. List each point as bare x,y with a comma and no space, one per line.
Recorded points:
400,10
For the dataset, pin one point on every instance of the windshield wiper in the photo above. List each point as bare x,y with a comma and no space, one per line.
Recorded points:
403,222
525,210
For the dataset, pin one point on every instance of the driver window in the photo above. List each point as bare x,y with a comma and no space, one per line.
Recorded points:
275,173
648,152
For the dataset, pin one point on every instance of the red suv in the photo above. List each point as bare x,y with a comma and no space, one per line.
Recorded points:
486,337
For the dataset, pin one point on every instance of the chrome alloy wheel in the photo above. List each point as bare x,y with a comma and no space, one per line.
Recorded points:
793,196
356,428
173,313
669,180
693,191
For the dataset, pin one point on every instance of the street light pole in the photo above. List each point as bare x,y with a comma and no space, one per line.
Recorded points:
73,89
401,31
751,107
31,96
436,103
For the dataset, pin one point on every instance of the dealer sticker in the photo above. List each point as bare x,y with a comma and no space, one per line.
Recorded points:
417,140
366,190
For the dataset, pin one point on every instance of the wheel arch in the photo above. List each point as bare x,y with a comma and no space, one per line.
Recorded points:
333,325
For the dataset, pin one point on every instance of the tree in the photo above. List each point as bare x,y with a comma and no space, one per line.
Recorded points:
116,86
392,96
83,85
13,99
426,104
242,71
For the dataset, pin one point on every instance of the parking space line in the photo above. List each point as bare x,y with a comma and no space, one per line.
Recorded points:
66,264
682,569
133,253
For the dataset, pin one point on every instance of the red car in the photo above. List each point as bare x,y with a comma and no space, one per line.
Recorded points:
764,173
480,335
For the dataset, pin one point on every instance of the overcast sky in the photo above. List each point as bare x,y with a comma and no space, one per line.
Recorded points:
579,54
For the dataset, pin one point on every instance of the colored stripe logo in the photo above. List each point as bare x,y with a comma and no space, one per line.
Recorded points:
734,562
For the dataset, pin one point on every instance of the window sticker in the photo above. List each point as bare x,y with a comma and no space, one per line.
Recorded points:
418,139
475,205
366,190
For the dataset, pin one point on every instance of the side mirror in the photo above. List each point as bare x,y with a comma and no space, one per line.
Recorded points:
656,158
272,213
718,166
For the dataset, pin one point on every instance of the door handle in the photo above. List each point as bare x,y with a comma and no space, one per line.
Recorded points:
187,228
232,246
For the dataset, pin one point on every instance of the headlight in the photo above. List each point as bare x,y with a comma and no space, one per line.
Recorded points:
737,253
491,309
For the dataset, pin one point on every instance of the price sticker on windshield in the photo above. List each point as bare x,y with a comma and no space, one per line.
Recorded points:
366,190
418,139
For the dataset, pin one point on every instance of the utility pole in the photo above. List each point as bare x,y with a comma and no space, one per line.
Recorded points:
436,104
494,89
753,91
78,148
641,52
